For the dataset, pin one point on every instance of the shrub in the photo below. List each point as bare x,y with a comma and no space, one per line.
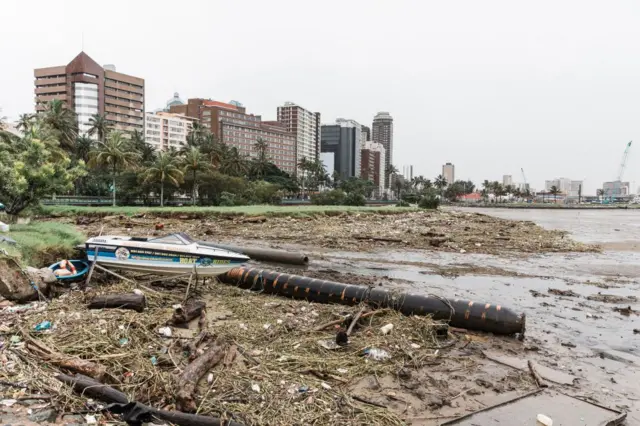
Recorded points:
429,202
227,199
355,199
334,197
402,203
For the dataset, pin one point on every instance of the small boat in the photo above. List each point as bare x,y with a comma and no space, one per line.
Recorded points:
173,254
81,266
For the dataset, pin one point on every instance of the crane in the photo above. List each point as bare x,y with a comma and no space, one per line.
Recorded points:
524,178
617,185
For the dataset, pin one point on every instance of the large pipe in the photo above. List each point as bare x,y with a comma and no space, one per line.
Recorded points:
460,313
265,255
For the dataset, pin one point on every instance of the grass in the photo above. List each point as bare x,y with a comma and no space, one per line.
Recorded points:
195,212
43,243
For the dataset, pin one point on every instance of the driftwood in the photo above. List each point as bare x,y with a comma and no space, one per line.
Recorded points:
194,372
122,301
355,320
192,345
536,377
72,363
16,283
184,314
371,238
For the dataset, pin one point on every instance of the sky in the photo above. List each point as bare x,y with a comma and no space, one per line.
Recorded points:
492,86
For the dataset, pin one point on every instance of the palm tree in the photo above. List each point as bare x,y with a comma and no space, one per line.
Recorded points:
25,122
261,160
554,191
388,171
164,169
440,182
194,161
115,154
600,194
232,163
63,121
84,145
99,126
486,189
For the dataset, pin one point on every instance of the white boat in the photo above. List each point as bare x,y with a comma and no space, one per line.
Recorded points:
172,254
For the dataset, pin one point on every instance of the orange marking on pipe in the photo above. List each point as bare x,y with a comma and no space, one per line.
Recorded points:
466,314
487,306
284,287
483,316
470,304
353,300
276,280
342,294
306,290
295,289
498,307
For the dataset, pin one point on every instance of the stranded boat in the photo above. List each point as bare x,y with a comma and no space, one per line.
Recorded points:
172,254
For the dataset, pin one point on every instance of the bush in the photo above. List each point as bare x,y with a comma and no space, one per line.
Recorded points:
402,203
355,199
262,192
227,199
429,202
334,197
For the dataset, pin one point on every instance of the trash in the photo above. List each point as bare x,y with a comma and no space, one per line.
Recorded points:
154,360
303,389
165,331
255,388
279,321
91,420
342,338
266,326
210,378
543,420
376,354
386,329
15,339
124,341
342,370
329,344
138,292
325,385
568,344
8,402
414,346
243,326
159,226
4,227
44,325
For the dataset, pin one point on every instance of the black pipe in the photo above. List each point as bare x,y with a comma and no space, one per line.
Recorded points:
263,254
460,313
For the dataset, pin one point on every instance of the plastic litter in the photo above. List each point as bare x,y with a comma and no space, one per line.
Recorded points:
376,354
303,389
124,341
386,329
154,360
165,331
329,344
8,402
543,420
210,378
255,388
4,227
91,420
44,325
138,292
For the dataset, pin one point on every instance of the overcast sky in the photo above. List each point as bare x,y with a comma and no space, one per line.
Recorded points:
491,86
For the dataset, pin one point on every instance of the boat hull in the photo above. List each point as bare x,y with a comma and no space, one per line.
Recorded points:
162,262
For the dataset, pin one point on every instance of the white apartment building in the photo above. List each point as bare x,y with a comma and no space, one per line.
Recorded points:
507,180
165,130
449,173
305,125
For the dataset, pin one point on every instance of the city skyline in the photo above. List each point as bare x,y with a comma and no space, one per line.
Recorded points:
539,91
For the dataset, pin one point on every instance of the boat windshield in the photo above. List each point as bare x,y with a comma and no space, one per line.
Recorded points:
178,239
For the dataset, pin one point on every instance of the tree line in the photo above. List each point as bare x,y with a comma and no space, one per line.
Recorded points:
53,158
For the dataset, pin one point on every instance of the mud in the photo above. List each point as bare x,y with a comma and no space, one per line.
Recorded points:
600,355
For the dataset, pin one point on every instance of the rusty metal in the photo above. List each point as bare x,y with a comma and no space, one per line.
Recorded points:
458,312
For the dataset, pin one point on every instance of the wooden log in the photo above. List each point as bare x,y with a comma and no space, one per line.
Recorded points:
194,372
121,301
192,309
75,364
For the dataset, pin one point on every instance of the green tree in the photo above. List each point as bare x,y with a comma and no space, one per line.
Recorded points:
554,190
440,182
195,162
63,122
232,163
115,154
486,189
260,162
164,169
25,121
389,170
99,126
146,151
34,168
600,194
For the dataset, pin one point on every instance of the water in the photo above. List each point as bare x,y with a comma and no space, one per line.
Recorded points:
607,353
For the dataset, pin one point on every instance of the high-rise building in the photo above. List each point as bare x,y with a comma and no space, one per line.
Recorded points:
344,140
305,125
507,180
366,133
164,130
372,165
563,185
173,101
89,89
449,173
616,189
407,172
382,133
235,127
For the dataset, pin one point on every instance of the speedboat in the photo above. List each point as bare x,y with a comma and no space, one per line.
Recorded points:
173,254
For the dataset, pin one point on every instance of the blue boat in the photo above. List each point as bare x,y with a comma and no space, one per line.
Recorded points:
82,268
